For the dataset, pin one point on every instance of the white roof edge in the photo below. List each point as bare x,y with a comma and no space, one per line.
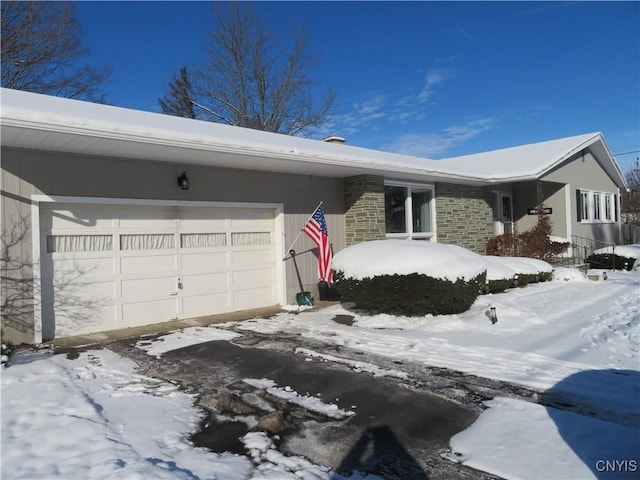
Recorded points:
595,137
31,111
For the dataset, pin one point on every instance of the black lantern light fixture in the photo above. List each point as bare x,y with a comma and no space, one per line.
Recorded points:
493,315
183,181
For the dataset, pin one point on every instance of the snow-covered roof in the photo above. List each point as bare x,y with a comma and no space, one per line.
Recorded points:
42,122
533,161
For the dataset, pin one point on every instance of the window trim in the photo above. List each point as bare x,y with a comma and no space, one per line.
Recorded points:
409,234
596,206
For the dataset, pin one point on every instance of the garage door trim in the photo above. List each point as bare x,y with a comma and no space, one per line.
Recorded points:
38,200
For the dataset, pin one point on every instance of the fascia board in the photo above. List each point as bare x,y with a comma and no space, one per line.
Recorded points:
292,155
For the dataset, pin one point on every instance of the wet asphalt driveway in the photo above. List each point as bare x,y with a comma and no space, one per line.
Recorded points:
397,428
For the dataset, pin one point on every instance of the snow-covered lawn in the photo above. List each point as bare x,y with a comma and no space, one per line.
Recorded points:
94,417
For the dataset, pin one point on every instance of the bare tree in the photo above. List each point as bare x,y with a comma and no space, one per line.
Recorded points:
179,100
247,81
42,48
631,199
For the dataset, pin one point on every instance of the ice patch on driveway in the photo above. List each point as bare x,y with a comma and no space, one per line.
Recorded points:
310,403
374,370
184,338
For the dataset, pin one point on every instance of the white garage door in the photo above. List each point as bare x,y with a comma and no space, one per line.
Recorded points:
107,267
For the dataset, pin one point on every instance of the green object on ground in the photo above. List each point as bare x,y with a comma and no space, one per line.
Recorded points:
304,298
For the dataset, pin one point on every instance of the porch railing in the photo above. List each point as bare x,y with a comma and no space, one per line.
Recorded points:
580,249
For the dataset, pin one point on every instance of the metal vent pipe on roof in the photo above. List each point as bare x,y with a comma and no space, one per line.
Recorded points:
334,139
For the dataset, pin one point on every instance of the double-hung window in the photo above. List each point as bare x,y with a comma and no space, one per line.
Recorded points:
408,211
597,206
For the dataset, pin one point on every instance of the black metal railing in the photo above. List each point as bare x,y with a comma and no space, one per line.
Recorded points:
581,250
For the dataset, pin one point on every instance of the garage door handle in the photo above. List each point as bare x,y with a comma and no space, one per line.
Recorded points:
173,293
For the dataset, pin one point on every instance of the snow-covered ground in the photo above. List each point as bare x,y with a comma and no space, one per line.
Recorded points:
94,417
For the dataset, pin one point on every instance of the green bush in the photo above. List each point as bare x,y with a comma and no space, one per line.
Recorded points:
499,286
522,280
413,294
607,260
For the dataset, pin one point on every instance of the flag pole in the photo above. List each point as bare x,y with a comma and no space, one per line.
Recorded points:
300,232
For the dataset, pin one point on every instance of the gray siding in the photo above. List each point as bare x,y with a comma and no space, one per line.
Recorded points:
525,196
25,173
584,172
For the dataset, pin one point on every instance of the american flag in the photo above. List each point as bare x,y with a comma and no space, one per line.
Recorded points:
316,228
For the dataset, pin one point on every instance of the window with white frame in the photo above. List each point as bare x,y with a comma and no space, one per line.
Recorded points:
408,211
597,206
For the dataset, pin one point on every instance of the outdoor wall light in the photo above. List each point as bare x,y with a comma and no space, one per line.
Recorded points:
183,181
493,314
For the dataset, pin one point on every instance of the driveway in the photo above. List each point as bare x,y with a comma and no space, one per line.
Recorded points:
396,427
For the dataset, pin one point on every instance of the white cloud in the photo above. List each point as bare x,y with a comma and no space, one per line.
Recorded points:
432,145
434,78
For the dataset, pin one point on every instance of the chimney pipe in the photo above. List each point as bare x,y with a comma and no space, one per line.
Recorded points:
334,139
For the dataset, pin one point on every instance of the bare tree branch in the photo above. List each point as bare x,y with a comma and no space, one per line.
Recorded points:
42,48
248,82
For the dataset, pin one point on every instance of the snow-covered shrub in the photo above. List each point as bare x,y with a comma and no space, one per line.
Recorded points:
509,272
407,277
610,260
413,294
620,257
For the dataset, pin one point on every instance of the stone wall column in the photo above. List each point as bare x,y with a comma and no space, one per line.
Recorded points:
464,216
364,209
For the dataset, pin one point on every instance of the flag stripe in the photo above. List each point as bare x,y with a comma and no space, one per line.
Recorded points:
316,229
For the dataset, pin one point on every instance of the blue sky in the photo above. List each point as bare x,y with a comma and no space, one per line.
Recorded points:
432,79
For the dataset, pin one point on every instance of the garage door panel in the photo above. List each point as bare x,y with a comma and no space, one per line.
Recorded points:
199,221
89,294
147,264
150,287
150,311
241,259
145,218
78,321
82,269
252,277
205,304
207,282
254,297
217,261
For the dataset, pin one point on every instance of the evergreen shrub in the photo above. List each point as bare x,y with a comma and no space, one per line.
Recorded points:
609,260
412,294
499,286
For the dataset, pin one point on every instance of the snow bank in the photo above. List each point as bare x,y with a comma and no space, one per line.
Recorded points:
631,251
547,443
403,257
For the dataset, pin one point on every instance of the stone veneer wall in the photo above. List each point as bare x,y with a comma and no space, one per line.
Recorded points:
364,209
464,216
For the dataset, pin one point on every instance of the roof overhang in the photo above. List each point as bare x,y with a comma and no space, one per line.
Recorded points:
39,122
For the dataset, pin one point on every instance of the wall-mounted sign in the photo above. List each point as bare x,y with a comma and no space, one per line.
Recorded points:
535,211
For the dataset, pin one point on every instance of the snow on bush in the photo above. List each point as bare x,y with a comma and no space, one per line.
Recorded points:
498,267
631,251
407,277
402,257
